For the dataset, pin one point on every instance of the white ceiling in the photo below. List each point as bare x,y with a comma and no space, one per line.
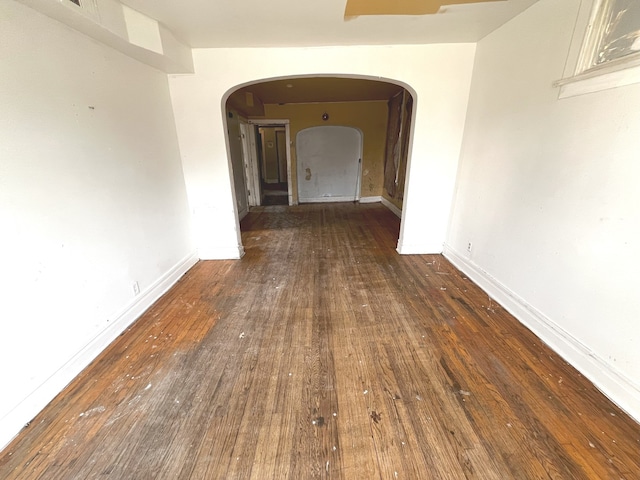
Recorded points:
259,23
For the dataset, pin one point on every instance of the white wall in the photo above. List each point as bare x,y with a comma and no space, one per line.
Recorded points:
548,195
126,30
439,75
92,198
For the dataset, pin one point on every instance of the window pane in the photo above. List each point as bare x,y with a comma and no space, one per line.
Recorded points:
622,33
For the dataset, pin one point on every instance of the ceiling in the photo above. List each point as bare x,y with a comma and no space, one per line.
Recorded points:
282,23
321,89
250,100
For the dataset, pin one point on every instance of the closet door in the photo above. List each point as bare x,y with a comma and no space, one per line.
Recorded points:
328,164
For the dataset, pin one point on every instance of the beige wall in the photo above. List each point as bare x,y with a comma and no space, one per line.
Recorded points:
369,117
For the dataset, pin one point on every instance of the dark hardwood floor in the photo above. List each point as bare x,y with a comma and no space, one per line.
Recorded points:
325,354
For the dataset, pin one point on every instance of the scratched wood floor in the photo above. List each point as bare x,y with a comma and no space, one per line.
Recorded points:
324,354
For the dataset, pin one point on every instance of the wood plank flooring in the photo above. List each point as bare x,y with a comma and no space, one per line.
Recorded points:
325,354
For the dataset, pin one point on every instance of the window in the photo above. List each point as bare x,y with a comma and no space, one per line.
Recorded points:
610,52
614,33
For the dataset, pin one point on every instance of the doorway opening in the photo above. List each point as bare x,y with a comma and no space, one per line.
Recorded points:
381,111
270,162
272,156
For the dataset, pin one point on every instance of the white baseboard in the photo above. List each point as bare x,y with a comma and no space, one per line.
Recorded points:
242,214
327,199
377,199
391,207
620,390
18,417
221,253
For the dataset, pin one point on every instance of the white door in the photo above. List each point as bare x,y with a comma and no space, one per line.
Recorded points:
237,164
328,164
251,169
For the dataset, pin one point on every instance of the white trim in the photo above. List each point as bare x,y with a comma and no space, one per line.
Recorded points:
287,133
328,199
14,421
594,81
581,76
391,207
590,41
622,391
268,122
221,253
377,199
250,157
243,213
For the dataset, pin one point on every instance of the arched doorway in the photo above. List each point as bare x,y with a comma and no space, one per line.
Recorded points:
306,102
362,103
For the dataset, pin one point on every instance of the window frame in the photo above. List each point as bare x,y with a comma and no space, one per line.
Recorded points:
587,76
596,31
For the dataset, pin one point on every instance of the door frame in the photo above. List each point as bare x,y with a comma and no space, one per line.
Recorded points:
281,123
282,166
251,167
